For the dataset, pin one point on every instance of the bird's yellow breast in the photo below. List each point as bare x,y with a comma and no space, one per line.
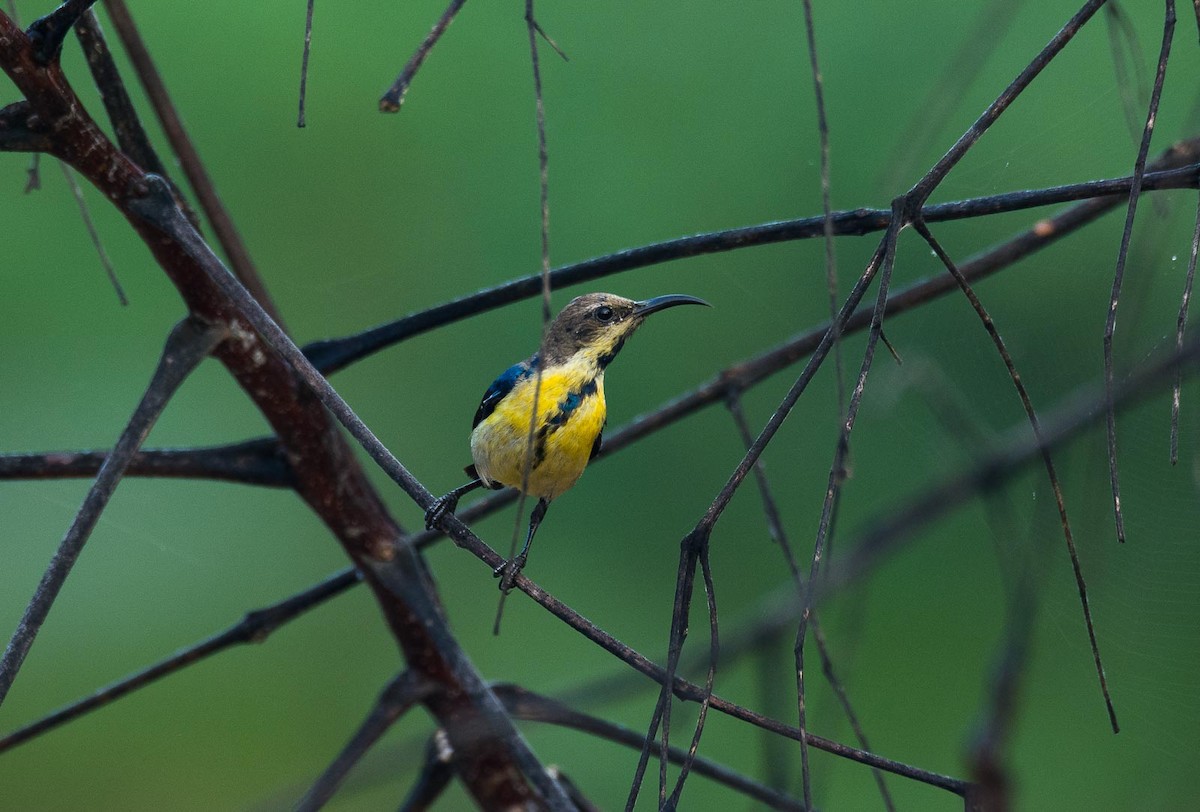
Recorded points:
570,416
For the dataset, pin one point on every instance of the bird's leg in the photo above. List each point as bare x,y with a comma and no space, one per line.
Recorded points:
449,502
507,572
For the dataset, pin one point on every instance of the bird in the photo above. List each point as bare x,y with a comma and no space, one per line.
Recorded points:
565,378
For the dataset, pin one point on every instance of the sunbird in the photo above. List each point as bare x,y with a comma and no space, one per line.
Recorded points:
576,349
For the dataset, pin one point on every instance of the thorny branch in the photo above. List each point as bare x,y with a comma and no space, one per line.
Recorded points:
498,769
145,202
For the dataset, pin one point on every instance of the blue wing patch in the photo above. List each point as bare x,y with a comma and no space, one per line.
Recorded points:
569,404
502,386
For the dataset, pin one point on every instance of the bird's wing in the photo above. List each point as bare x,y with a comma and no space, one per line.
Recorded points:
501,387
596,446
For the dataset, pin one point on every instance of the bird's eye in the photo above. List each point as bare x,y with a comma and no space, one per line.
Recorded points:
604,313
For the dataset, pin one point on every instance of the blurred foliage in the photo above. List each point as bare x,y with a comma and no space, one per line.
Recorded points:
670,118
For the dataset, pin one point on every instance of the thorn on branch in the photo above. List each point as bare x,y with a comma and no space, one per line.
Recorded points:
19,133
47,33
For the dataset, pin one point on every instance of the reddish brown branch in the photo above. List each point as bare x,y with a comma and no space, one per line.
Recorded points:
497,769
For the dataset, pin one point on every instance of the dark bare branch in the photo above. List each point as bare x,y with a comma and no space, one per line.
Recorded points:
831,275
1119,274
529,706
48,33
308,17
778,534
1181,326
17,134
127,126
1178,170
394,97
254,462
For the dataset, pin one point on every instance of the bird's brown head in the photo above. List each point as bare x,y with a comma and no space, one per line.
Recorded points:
593,327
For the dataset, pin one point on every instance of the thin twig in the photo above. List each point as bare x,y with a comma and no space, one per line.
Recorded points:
775,528
714,651
544,211
394,97
90,225
127,126
401,693
529,706
831,275
308,17
886,260
189,343
689,551
1119,274
189,158
1181,325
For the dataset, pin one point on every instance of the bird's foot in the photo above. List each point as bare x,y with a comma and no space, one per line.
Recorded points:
508,572
444,505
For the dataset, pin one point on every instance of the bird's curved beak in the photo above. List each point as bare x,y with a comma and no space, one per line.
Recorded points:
643,309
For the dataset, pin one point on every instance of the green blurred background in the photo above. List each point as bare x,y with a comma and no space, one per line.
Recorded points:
670,118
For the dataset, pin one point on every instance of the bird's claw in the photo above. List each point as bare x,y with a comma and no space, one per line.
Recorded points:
508,572
444,505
